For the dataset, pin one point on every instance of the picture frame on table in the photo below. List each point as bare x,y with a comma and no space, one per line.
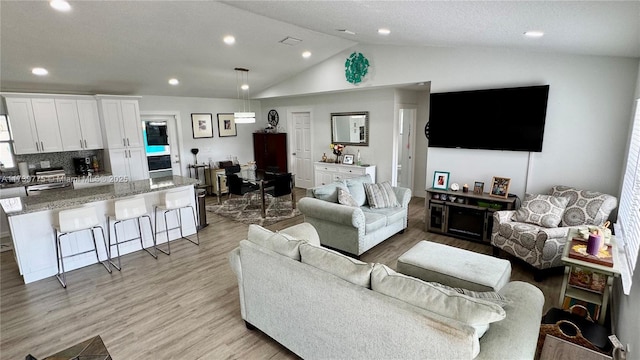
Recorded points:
227,125
478,187
500,187
441,180
347,159
202,126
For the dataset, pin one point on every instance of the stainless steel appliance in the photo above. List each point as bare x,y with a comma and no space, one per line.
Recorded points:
82,165
49,180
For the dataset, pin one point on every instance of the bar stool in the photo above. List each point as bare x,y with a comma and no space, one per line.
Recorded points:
75,220
176,201
125,210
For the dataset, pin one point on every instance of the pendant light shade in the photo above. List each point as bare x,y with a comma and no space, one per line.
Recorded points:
244,115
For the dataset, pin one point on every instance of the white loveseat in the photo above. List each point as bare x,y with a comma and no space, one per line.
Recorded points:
317,314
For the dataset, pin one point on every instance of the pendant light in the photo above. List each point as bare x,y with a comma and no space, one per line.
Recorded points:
244,115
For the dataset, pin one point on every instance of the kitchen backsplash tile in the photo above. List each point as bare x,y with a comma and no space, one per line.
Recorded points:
58,159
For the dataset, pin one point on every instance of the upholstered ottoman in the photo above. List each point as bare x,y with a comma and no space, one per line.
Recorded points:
455,267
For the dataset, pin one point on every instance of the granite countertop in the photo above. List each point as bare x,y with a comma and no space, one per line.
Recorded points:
72,198
18,181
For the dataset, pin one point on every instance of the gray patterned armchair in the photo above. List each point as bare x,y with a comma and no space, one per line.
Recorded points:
541,246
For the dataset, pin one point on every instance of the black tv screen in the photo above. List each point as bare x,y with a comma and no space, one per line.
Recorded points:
495,119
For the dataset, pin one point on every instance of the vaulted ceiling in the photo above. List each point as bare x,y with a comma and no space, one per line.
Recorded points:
135,47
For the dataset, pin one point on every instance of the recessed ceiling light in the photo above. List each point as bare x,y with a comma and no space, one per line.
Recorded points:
174,81
384,31
244,87
229,40
39,71
306,54
534,34
60,5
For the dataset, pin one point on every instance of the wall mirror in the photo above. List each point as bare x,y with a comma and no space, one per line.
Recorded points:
350,128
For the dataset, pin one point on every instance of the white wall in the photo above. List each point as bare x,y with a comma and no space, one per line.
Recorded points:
587,116
379,103
215,148
628,306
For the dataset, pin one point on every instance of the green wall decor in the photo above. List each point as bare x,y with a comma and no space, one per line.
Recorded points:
356,67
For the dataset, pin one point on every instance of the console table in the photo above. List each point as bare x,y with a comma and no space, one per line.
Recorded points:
463,215
326,173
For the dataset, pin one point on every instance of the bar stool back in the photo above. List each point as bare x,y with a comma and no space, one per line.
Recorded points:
176,201
130,209
75,220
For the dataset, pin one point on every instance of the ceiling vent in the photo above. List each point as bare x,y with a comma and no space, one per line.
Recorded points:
291,41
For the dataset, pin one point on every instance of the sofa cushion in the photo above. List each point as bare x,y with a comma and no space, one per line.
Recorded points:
356,188
381,195
345,198
520,233
585,207
328,192
373,221
392,214
475,312
333,262
280,243
543,210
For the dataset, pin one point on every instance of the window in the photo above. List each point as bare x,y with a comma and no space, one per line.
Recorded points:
6,154
629,208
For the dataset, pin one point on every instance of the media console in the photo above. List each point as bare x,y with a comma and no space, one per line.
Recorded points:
463,215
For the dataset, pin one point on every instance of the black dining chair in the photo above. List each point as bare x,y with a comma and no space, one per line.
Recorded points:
281,185
237,186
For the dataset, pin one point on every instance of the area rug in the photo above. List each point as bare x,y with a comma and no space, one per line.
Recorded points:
247,209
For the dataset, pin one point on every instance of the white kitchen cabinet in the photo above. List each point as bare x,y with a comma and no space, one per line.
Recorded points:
79,124
34,125
326,173
122,124
130,163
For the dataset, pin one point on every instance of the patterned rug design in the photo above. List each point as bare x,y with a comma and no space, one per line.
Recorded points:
246,209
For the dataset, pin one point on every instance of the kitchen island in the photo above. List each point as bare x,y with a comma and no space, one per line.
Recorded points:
32,218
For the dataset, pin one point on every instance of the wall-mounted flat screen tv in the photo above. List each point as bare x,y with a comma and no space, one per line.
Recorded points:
495,119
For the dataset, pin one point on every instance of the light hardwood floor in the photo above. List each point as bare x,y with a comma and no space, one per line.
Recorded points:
182,306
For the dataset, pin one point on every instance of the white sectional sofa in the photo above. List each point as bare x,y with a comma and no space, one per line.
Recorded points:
321,304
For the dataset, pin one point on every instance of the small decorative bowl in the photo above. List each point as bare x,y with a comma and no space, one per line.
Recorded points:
452,198
443,197
460,200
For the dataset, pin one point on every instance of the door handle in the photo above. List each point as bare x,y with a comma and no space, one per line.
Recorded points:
85,143
37,146
128,144
124,142
42,145
80,143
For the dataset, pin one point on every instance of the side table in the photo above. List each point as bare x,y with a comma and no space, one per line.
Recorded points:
593,295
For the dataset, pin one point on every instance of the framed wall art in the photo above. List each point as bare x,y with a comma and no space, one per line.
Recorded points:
440,180
500,187
227,125
201,125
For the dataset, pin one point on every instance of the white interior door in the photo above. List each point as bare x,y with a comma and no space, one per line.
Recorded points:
302,163
173,148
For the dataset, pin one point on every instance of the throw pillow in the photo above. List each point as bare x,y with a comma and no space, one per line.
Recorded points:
356,188
474,312
541,210
304,231
493,296
345,198
281,244
340,265
381,195
328,192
